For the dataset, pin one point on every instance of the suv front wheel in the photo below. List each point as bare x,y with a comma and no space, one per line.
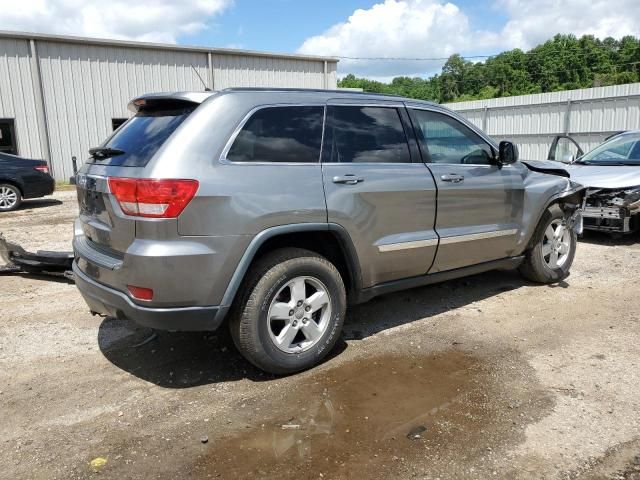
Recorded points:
291,312
553,250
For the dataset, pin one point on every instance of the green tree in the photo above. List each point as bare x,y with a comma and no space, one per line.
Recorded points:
561,63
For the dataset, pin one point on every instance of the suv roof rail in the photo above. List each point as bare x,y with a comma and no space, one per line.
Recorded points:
318,90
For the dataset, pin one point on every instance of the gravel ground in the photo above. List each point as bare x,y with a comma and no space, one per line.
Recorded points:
483,377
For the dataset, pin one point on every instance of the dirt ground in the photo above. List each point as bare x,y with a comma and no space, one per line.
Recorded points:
483,377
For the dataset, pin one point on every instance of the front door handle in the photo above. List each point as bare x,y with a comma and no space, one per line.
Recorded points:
452,178
348,179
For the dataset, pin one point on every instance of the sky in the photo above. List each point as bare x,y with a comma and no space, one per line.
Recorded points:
346,28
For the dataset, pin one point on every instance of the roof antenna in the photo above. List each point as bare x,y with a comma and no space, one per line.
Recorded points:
206,89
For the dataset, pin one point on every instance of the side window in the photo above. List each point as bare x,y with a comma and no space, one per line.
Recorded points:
280,134
448,141
365,134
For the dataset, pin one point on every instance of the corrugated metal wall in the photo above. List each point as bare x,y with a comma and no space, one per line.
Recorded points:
85,85
17,98
532,121
243,71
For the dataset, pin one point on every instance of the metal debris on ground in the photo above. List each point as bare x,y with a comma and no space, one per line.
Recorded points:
43,262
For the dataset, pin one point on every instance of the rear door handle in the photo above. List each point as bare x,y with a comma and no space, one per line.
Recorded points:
348,179
452,178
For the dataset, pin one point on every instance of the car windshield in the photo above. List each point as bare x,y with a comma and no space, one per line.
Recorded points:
623,149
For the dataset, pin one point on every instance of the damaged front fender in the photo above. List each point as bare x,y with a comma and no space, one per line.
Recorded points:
547,185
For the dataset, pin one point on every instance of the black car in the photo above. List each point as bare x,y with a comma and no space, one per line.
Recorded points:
22,178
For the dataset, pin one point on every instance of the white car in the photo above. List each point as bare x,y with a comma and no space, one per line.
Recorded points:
611,173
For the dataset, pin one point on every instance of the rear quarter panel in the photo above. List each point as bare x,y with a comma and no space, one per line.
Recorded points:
236,199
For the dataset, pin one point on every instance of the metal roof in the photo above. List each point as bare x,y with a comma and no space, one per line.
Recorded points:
156,46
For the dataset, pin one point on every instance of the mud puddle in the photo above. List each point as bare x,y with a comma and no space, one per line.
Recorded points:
367,419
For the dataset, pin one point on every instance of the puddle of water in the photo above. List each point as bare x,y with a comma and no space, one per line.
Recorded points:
362,419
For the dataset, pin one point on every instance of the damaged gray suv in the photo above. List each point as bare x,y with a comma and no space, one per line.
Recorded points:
275,209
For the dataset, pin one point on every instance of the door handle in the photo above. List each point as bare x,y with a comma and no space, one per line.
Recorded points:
452,178
348,179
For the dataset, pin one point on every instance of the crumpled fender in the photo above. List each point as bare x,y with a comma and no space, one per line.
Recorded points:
546,166
543,189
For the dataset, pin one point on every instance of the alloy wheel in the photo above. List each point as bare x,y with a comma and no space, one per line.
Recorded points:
556,244
8,197
299,314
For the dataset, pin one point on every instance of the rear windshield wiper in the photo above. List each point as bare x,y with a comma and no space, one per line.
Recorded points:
105,152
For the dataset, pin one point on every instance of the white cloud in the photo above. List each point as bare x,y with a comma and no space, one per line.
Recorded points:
145,20
410,28
534,21
433,28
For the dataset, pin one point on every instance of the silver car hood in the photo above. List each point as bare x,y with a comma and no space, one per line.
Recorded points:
598,176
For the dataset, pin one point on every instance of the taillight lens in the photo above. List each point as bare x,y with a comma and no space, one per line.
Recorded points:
144,197
42,168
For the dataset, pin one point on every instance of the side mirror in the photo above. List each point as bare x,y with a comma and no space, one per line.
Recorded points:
507,153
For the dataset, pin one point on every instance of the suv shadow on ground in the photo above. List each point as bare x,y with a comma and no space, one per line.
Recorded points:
189,359
40,203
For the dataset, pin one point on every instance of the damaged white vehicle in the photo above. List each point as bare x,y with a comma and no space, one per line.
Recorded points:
611,173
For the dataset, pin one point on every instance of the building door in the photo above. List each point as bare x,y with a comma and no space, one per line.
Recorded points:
8,137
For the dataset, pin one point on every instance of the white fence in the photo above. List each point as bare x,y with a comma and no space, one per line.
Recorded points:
588,115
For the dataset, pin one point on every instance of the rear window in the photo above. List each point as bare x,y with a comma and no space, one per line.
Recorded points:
289,134
142,136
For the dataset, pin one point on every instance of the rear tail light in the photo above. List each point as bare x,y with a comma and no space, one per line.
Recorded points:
42,168
144,197
140,293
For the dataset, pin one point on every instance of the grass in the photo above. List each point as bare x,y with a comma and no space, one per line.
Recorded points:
64,186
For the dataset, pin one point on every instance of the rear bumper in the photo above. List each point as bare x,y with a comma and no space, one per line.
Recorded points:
41,188
107,301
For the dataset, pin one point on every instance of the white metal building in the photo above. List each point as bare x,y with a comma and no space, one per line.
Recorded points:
61,95
589,115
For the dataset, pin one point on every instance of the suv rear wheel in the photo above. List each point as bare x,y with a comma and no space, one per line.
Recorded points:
291,312
551,256
10,197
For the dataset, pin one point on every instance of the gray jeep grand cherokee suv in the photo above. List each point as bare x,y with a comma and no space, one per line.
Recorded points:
277,208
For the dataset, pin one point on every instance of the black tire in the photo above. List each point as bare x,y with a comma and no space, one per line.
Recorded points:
249,323
534,267
12,205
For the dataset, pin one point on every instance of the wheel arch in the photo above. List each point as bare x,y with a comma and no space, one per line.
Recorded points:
327,239
15,183
571,199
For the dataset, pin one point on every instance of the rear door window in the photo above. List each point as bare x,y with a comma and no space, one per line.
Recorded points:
358,134
142,136
290,134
